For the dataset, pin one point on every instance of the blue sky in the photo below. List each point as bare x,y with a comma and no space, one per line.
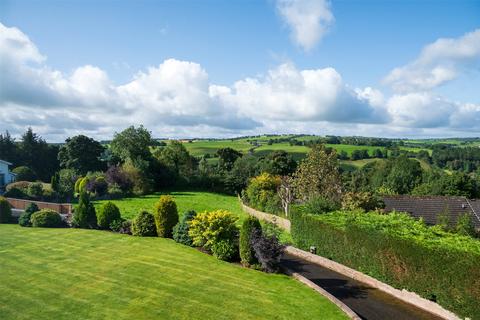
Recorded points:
235,40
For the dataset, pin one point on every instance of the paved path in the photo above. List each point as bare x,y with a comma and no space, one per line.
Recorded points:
369,303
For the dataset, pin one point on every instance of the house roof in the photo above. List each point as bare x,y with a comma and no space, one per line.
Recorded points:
6,162
430,207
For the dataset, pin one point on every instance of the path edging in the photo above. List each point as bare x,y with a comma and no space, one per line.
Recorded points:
349,312
404,295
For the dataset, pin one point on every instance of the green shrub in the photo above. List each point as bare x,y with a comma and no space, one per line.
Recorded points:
24,219
82,186
226,250
400,251
108,213
15,193
76,188
365,201
5,211
35,190
21,185
166,216
115,192
24,173
46,218
261,193
319,205
208,228
121,226
180,231
143,225
84,215
465,225
247,255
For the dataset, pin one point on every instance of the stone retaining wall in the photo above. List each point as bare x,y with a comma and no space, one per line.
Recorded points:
278,221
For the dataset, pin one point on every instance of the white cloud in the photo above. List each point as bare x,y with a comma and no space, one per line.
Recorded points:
177,99
438,63
287,93
309,20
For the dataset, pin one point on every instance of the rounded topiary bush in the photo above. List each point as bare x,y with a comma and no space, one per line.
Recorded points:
5,211
226,250
180,231
24,219
46,218
108,213
144,225
24,173
247,254
166,216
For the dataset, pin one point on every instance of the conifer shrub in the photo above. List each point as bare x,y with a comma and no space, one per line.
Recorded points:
107,213
208,228
226,250
46,218
166,216
84,215
143,225
5,211
24,219
180,231
247,254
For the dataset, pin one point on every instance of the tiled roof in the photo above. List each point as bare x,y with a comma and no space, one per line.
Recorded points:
429,207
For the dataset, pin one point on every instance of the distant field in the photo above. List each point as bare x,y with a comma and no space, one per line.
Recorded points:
201,147
79,274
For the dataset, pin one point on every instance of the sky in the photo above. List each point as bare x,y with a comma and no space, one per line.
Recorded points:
240,67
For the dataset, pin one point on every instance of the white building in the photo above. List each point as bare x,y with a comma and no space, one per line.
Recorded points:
6,176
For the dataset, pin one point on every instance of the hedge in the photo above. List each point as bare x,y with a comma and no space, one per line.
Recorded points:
46,218
400,251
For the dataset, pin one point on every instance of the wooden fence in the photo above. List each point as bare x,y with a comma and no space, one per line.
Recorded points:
20,204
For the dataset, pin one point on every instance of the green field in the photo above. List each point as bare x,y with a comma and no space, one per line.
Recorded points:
90,274
262,148
186,200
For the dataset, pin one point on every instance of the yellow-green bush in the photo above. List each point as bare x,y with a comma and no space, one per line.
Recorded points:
208,228
261,193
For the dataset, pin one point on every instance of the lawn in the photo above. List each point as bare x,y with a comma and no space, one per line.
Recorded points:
88,274
186,200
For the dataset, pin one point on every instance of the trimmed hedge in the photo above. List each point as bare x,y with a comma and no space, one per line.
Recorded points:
400,251
46,218
166,216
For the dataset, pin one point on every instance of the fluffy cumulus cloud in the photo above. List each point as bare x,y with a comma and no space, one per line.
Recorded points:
309,20
287,93
177,99
438,63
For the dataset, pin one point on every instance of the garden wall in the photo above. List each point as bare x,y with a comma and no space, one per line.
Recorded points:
62,208
445,275
278,221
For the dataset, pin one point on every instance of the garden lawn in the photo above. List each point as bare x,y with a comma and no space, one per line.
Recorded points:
89,274
186,200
